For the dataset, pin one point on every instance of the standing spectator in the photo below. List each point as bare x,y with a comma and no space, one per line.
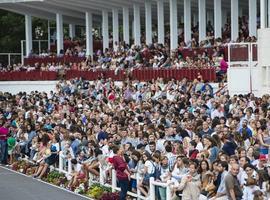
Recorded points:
233,189
190,184
4,130
264,139
122,173
149,170
223,66
221,191
251,182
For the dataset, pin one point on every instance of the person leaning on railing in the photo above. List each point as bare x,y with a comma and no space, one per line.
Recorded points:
190,184
122,172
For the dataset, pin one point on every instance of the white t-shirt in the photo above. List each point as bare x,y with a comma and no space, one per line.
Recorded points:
245,176
105,150
150,167
160,145
78,167
199,147
216,113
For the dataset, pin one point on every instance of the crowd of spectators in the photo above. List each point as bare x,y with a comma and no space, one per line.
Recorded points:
155,55
209,145
76,47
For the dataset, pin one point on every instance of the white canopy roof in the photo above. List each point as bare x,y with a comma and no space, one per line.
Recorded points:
74,10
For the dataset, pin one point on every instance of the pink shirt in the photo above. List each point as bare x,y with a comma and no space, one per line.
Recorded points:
223,65
3,133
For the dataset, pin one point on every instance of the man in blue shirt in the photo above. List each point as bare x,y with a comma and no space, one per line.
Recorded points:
75,143
245,132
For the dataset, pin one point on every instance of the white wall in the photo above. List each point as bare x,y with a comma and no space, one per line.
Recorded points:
243,80
264,60
15,87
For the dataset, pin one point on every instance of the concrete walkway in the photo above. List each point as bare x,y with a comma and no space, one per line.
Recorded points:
14,186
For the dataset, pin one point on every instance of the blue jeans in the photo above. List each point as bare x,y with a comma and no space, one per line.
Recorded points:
3,151
124,188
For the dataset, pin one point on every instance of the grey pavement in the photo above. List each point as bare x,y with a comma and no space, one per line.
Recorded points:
15,186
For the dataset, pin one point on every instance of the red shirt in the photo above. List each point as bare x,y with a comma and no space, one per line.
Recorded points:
120,166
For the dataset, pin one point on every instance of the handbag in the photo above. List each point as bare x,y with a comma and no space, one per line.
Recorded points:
210,189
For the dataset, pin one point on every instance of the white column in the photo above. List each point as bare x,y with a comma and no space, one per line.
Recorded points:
105,29
59,32
234,20
148,21
71,30
160,11
202,20
263,13
89,35
187,20
115,26
252,18
217,18
137,24
173,24
126,24
28,34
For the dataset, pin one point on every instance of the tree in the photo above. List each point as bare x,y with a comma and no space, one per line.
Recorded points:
11,32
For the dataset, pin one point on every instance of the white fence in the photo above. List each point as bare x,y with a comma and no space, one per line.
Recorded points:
9,57
38,46
65,166
245,66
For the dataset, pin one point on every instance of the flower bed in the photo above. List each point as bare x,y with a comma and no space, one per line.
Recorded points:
22,166
56,178
95,191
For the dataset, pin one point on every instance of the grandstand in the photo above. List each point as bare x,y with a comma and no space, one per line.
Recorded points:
159,99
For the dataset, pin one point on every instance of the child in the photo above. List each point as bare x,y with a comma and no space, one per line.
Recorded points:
11,142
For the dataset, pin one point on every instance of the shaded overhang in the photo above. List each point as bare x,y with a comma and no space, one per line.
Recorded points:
74,10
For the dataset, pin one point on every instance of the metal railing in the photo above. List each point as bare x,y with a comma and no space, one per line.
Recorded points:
10,55
39,48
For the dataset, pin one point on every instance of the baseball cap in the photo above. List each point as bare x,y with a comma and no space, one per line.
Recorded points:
262,157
